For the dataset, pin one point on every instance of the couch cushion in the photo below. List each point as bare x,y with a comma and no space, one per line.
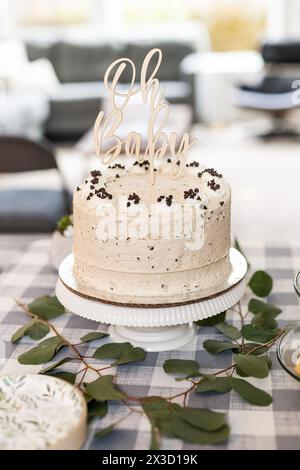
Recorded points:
31,211
81,62
173,54
74,108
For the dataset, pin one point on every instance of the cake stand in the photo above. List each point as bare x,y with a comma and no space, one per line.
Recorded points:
154,328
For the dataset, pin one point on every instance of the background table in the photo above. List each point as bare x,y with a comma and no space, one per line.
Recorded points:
25,273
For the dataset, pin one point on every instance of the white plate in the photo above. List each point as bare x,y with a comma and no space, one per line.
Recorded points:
38,412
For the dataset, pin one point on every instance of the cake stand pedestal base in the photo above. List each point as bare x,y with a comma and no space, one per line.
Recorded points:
154,338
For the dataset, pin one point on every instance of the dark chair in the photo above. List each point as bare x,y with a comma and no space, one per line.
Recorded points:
275,93
30,210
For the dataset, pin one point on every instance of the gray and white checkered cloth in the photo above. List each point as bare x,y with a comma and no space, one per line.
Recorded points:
25,273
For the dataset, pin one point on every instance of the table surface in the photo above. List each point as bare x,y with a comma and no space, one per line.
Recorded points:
25,273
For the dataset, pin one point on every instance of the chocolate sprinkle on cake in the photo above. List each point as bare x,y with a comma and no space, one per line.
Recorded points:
212,185
96,173
211,172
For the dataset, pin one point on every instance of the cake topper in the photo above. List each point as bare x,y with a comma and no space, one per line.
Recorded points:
159,143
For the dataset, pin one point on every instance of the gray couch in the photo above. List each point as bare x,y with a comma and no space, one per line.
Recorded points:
80,68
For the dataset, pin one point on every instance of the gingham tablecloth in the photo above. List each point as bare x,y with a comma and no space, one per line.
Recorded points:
25,273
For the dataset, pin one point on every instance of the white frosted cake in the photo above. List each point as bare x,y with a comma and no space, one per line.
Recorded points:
140,267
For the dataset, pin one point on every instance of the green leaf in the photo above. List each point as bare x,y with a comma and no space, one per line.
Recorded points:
43,352
261,283
46,307
215,347
261,335
215,384
103,389
156,408
248,347
258,306
264,319
252,394
181,366
64,222
201,418
64,375
124,353
103,432
93,336
238,247
179,428
57,364
131,355
212,321
241,373
254,366
37,331
192,425
229,330
21,331
155,438
34,329
97,409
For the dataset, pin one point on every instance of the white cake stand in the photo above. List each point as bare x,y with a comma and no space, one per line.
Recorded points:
156,328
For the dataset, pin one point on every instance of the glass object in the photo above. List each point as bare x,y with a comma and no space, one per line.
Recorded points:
288,349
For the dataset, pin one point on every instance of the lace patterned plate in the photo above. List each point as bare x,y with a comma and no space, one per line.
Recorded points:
38,412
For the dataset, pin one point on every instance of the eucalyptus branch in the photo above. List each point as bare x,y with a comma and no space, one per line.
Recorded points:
50,325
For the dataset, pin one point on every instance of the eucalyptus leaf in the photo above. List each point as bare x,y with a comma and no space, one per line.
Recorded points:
250,348
201,418
238,247
252,394
215,384
131,355
179,428
258,306
229,330
155,438
46,307
156,407
254,366
64,375
241,373
55,365
261,283
34,329
124,353
43,352
38,330
97,409
193,425
103,389
212,321
216,347
264,319
181,366
103,432
21,331
93,336
261,335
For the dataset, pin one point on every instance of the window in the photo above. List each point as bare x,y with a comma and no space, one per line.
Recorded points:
51,12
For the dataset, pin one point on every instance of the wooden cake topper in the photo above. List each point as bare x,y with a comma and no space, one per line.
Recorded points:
159,143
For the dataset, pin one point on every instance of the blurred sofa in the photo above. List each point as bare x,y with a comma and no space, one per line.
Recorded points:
80,68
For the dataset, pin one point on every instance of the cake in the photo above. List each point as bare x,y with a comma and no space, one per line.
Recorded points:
146,268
